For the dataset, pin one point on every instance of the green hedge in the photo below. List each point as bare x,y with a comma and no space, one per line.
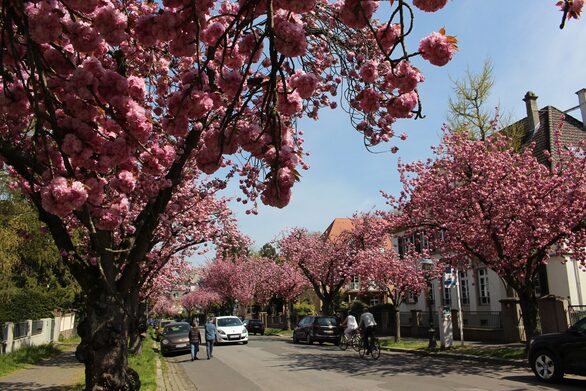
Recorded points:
19,306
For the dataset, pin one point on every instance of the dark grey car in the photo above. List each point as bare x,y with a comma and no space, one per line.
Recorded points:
552,355
317,328
175,338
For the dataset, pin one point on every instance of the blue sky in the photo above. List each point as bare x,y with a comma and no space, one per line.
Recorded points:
528,51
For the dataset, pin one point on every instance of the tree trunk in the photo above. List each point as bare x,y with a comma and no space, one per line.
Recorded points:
327,307
287,309
529,310
397,324
137,328
104,344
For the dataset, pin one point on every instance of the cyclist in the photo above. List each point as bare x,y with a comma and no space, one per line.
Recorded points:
350,325
368,324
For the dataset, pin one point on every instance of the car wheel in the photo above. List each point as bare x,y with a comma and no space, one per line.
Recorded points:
309,340
546,366
295,340
321,342
263,333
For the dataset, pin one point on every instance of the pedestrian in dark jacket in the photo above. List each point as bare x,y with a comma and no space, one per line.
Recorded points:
194,340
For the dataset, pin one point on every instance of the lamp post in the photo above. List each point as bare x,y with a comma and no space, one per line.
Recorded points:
427,266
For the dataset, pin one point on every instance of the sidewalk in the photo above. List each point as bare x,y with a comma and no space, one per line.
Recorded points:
54,374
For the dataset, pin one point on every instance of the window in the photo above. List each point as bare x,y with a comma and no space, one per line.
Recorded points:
355,283
374,301
464,288
411,298
483,293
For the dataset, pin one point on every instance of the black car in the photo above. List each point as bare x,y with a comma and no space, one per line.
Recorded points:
317,328
254,326
552,355
175,338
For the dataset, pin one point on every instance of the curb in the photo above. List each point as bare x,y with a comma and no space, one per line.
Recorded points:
459,356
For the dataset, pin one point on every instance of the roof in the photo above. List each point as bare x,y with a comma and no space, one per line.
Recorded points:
549,119
338,226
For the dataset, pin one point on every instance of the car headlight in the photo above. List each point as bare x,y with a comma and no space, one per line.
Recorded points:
165,342
221,332
244,331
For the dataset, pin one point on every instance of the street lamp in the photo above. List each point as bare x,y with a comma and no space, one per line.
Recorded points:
427,266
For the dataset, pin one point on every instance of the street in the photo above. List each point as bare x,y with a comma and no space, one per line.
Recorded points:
271,363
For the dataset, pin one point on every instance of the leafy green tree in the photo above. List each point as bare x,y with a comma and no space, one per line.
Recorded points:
468,109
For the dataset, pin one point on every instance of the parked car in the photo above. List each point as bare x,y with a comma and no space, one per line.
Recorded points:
160,327
552,355
175,338
230,329
255,326
317,328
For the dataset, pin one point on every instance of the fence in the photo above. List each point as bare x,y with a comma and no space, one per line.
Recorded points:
37,332
576,312
482,319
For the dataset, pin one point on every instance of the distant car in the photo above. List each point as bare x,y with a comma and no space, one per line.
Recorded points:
317,328
254,326
175,338
230,329
552,355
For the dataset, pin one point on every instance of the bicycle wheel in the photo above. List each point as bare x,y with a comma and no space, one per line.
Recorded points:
361,351
343,343
357,342
375,352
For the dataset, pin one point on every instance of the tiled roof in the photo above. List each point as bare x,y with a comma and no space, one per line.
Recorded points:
338,226
543,138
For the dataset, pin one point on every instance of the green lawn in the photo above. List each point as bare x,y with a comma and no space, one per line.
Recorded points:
29,355
416,345
146,365
492,351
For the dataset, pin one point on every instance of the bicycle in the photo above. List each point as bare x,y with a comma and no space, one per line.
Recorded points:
374,349
355,341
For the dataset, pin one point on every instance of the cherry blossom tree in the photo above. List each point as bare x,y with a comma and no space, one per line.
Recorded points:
112,110
399,277
231,278
498,207
326,264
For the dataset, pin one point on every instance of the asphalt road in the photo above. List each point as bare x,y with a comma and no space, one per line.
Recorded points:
273,364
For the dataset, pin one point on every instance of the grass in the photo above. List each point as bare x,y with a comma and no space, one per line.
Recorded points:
507,352
273,331
415,345
146,365
29,355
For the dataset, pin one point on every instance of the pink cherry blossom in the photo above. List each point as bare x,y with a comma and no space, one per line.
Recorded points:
437,48
430,5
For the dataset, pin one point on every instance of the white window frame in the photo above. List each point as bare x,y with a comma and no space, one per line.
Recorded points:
483,287
464,287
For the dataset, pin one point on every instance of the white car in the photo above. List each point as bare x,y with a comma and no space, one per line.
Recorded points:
230,329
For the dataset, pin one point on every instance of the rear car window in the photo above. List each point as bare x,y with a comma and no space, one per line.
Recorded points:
327,321
176,329
254,321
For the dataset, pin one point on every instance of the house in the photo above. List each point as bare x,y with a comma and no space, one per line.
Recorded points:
481,290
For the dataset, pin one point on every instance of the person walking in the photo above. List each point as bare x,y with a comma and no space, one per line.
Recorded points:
194,340
210,331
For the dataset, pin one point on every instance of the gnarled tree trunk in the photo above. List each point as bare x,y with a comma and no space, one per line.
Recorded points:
529,311
137,327
104,343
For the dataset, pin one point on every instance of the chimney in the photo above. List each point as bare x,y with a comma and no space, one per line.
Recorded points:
532,111
582,102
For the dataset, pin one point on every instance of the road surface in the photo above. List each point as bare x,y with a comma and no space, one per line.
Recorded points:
274,364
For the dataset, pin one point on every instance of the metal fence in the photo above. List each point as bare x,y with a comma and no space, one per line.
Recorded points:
576,312
37,327
483,319
20,330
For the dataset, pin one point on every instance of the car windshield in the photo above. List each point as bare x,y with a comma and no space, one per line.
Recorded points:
176,329
254,321
326,321
229,322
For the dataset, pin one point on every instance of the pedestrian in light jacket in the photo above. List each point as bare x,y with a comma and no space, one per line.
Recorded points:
194,340
210,331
